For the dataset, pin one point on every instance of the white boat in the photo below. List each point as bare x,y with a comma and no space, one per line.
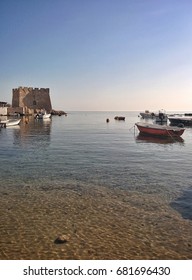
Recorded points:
159,117
43,116
46,116
147,114
10,122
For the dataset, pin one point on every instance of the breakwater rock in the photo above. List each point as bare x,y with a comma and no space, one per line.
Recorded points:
58,113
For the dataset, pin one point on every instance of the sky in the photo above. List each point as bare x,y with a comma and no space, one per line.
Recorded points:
99,55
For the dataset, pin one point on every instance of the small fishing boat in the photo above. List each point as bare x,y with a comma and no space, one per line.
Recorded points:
185,120
159,130
159,117
43,116
10,122
119,118
147,114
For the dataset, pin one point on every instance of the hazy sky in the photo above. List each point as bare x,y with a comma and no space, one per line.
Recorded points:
99,54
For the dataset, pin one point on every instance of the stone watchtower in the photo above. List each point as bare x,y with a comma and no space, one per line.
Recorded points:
31,99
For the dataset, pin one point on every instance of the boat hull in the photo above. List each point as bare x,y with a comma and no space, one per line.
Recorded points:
13,122
182,120
43,116
160,131
119,118
147,115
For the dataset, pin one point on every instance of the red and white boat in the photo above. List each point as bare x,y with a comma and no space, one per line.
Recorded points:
160,130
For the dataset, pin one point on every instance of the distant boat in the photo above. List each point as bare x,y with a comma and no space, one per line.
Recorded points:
159,130
119,118
43,116
185,120
10,122
147,114
159,117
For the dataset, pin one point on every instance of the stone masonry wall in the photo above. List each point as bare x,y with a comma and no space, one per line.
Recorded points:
32,99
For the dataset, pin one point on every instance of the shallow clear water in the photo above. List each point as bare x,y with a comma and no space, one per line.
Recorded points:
84,147
82,153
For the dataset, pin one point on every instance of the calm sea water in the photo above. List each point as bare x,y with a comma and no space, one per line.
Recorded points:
82,149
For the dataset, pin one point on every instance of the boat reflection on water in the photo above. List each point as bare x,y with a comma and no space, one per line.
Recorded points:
33,133
158,140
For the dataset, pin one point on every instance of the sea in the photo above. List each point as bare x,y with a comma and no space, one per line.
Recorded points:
98,187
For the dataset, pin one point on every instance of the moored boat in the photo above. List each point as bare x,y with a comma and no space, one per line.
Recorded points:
119,118
147,114
176,120
10,122
159,130
43,116
159,117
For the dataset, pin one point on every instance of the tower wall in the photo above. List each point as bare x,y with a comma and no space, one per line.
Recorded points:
32,98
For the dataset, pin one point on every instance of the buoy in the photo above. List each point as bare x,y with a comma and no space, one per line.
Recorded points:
107,120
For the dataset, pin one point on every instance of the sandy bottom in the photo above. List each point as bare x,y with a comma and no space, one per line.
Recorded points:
100,223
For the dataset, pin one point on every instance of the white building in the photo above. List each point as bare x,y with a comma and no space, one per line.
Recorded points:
3,108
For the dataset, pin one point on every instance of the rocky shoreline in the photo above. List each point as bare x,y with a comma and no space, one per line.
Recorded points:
58,113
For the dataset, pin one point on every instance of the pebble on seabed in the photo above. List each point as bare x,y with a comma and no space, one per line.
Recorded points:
61,239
